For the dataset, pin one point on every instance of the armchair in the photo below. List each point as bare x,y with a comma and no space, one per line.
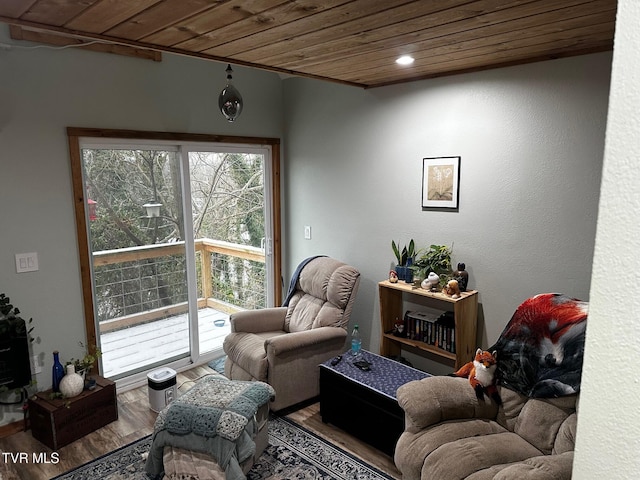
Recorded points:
450,434
283,346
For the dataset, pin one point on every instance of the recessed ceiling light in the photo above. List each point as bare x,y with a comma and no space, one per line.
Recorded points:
405,60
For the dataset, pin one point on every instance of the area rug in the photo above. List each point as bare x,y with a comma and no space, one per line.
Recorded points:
218,364
293,453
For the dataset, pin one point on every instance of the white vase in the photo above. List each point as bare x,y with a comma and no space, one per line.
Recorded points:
71,384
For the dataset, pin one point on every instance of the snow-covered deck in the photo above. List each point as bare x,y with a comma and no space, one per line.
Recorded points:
145,344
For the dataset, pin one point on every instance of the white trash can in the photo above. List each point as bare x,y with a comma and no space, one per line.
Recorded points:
162,388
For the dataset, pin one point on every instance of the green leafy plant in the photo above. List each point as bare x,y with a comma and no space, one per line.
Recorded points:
87,362
11,314
436,259
406,255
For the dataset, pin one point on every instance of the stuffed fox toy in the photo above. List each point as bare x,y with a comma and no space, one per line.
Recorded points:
481,373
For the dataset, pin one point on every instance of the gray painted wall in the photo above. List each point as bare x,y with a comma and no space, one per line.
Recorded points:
44,91
531,140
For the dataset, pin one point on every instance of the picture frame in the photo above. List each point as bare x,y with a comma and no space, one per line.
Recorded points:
441,182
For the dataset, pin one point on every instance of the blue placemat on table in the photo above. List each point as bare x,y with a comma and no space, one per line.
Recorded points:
385,375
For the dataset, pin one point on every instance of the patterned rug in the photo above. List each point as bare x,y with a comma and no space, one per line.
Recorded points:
293,453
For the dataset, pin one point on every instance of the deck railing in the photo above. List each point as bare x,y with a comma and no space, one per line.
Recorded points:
134,272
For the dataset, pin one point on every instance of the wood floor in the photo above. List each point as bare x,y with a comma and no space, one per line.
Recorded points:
135,420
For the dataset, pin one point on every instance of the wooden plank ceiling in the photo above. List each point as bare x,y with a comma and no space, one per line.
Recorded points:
348,41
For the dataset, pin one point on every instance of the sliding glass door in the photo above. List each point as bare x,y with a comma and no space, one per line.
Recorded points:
229,194
179,236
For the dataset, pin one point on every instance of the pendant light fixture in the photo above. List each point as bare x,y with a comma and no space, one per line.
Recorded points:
230,100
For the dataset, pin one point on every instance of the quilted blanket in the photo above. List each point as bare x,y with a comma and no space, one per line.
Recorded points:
216,417
540,351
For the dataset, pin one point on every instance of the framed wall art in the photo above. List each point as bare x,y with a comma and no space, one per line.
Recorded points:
440,182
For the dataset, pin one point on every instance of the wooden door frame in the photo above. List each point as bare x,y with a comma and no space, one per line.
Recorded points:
74,135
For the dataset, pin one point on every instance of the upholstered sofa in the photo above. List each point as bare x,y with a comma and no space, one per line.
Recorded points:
450,433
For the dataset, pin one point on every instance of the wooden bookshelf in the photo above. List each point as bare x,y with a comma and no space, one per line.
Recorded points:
465,310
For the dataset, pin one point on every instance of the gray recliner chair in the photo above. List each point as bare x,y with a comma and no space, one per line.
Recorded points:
283,346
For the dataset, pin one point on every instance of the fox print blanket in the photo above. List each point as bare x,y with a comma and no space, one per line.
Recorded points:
541,349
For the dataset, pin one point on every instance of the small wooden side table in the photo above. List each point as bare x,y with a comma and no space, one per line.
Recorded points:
58,422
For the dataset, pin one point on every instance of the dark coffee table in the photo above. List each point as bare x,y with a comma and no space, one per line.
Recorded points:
364,403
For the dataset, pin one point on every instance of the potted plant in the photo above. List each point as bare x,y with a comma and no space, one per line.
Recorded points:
436,259
405,259
85,364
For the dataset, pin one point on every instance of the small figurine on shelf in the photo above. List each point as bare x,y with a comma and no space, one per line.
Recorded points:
462,276
452,289
431,282
398,328
393,277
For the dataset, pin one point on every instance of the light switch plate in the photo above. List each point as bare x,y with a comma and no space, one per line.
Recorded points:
307,232
26,262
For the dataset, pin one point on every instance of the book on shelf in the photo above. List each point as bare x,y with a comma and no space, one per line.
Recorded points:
431,328
446,328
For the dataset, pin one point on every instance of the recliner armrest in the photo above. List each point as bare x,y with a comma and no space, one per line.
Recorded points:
299,340
256,321
436,399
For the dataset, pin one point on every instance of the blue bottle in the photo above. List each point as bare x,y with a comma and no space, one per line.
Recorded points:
356,342
57,372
